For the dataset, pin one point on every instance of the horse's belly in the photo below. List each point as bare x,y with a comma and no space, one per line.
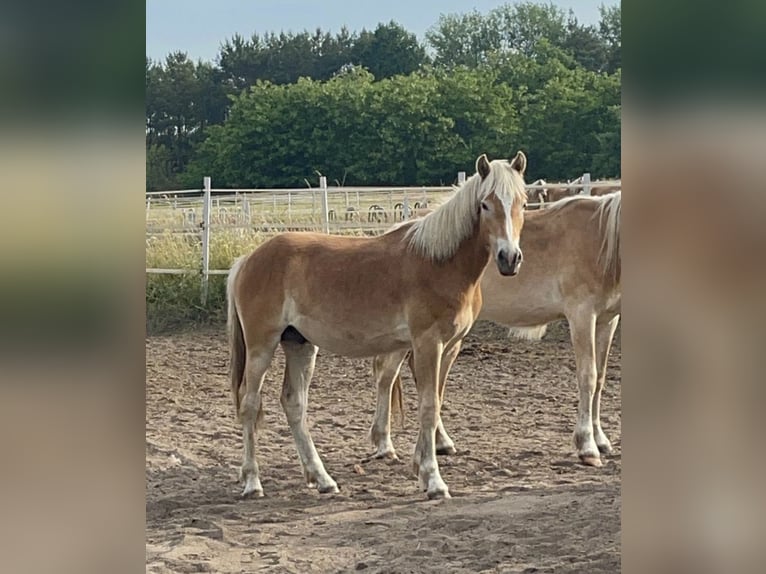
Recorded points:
518,315
356,341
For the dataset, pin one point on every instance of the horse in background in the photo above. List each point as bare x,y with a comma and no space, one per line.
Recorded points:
572,272
537,195
419,282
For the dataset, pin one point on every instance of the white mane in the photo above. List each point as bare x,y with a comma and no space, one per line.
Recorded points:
438,234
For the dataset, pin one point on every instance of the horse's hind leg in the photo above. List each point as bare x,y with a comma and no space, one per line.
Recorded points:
582,325
444,444
604,335
385,369
251,414
299,368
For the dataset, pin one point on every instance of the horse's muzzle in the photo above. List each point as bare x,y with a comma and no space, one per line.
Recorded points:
509,261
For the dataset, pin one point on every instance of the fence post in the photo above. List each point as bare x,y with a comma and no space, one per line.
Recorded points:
460,177
325,206
586,184
205,239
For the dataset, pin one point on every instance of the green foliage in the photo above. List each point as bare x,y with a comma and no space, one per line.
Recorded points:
526,29
405,130
610,28
388,51
182,100
159,173
284,58
571,120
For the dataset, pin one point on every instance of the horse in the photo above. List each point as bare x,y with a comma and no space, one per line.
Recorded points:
573,272
539,195
597,187
553,194
419,282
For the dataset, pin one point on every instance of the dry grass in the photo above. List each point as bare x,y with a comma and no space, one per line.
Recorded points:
173,301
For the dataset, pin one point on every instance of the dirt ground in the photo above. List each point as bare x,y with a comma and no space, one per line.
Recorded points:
521,500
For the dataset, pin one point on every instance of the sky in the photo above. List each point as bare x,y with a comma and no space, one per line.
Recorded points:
198,27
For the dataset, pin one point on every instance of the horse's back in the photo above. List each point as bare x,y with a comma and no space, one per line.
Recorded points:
316,269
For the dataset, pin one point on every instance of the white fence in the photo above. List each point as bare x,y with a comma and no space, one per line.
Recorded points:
366,210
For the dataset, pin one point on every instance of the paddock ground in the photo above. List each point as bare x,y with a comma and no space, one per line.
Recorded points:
521,501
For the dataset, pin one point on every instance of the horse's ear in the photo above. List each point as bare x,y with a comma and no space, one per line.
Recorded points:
482,166
519,163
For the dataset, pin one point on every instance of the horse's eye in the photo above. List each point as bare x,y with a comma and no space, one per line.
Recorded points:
484,206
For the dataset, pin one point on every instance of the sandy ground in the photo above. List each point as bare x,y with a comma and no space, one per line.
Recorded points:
521,500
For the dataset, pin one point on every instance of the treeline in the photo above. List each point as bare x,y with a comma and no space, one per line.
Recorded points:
380,108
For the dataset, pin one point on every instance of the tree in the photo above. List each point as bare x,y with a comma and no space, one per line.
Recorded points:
585,44
182,100
570,125
610,27
405,130
463,39
523,25
285,57
159,173
388,51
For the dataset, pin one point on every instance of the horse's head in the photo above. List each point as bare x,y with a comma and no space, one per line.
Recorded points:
503,197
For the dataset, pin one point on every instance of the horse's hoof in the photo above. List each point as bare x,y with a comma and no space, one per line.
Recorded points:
591,460
386,455
438,493
328,489
252,493
446,450
605,448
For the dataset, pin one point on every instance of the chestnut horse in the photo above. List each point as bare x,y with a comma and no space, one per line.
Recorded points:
419,283
573,272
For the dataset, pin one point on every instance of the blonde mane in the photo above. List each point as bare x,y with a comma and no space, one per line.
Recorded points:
437,235
609,222
608,214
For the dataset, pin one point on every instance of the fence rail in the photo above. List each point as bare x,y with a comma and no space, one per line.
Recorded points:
368,210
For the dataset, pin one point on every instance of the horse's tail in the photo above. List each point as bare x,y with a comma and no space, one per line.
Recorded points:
397,396
609,223
236,337
397,399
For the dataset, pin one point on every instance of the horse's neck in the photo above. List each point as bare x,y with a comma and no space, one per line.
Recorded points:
472,256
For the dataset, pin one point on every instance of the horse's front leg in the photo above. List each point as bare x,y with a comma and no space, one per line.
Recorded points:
444,444
385,369
427,355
